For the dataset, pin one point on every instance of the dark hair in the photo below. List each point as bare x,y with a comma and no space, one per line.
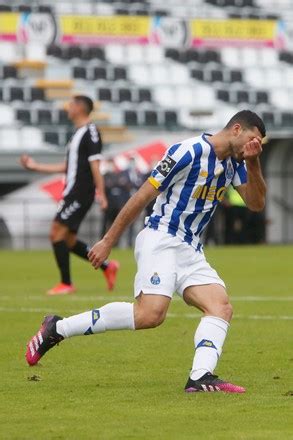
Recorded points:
86,101
248,119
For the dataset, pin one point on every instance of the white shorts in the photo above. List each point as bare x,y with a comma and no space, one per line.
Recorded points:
166,264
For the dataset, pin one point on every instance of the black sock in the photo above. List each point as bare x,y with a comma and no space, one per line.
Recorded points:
82,249
104,265
61,253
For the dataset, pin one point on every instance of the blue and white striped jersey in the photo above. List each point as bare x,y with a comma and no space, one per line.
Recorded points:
192,182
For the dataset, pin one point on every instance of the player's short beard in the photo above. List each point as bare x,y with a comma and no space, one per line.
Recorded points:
234,154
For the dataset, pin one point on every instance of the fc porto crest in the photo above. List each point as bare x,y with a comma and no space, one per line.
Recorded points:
155,279
229,170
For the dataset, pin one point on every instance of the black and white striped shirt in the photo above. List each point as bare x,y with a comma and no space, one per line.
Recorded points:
85,146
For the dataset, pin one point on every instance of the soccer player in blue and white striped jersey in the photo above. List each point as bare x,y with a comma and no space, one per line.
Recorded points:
188,184
192,181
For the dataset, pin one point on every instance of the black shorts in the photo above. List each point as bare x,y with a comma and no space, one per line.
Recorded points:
71,211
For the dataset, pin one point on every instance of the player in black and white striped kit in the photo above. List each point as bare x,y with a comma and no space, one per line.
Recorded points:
83,178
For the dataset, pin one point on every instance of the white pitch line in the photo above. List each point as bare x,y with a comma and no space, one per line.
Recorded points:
262,298
72,298
170,315
83,298
250,317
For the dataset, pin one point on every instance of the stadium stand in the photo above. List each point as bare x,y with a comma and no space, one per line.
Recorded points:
146,88
147,85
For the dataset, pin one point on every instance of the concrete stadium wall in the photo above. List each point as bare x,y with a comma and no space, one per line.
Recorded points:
279,178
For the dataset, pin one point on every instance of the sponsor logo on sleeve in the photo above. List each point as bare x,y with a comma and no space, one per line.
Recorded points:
166,165
94,133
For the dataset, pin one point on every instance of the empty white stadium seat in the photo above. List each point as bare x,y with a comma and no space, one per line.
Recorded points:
287,77
64,7
273,4
177,74
212,11
8,52
9,139
6,115
140,74
230,57
104,9
31,138
185,97
115,53
204,98
194,122
83,8
268,57
254,76
165,96
134,53
182,11
281,99
35,52
58,71
210,122
160,74
153,54
249,57
273,78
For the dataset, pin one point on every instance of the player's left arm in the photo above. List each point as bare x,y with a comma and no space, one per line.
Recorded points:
99,183
134,206
253,192
94,146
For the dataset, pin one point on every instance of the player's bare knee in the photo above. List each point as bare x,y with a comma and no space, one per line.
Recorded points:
221,308
156,318
145,318
150,310
227,311
57,233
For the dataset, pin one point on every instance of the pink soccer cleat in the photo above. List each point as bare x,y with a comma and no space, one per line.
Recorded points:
45,339
211,383
61,289
110,273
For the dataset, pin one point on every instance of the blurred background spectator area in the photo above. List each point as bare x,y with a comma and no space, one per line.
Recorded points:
158,72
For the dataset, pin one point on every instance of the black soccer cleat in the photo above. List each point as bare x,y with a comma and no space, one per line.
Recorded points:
210,383
45,339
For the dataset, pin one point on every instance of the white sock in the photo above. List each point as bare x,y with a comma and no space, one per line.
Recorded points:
113,316
208,340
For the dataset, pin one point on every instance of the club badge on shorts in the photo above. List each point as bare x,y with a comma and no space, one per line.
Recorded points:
155,279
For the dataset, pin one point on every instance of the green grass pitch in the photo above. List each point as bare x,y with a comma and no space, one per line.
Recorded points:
129,385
